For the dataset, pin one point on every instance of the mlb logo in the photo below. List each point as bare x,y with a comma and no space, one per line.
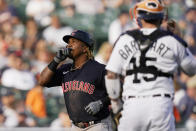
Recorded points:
73,33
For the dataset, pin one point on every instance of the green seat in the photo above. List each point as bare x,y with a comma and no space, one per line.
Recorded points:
102,23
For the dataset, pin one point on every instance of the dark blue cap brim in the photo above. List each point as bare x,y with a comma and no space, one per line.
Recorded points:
67,37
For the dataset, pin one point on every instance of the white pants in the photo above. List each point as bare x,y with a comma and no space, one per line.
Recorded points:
147,114
105,125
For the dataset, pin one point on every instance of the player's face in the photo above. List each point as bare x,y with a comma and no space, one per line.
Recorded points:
77,46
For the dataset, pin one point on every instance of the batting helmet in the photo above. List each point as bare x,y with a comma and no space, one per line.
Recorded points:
82,36
148,10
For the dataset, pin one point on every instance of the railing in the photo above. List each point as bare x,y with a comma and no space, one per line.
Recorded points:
34,129
50,129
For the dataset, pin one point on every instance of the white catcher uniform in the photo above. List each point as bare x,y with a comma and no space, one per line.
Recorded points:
147,98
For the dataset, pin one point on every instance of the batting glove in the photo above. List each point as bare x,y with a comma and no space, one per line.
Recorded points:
94,107
62,54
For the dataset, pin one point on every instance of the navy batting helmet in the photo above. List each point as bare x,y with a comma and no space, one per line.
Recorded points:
80,35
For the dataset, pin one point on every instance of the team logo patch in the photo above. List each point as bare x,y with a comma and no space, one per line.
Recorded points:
74,32
78,86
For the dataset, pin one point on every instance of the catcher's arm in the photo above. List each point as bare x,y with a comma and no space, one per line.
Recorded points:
112,82
113,87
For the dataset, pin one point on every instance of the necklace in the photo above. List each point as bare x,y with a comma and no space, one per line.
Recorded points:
78,67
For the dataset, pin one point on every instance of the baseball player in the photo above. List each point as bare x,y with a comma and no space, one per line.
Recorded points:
82,82
147,58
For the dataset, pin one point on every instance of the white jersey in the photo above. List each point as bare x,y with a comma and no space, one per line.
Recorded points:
166,54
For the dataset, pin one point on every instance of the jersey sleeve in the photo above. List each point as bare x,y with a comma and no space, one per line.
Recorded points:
58,76
186,59
116,60
188,63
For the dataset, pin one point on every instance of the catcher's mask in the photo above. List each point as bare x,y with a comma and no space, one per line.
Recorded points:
147,10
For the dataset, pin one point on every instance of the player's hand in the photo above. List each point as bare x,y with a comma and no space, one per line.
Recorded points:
62,54
94,107
172,26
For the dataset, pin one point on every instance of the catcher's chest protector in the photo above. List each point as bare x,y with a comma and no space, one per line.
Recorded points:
144,43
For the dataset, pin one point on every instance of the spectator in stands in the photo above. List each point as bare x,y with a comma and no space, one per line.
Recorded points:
89,7
191,21
3,52
67,13
7,98
68,7
18,28
2,117
7,12
35,102
188,24
42,56
104,52
182,102
118,26
63,121
190,3
191,91
32,35
36,106
17,44
25,121
114,3
16,76
191,123
40,10
174,6
55,31
22,120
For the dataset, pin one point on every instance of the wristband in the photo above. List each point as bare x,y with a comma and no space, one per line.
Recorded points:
53,65
57,60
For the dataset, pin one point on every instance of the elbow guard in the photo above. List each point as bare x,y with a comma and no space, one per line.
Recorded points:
113,87
189,66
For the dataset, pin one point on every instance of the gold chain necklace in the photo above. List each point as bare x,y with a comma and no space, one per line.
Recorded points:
72,69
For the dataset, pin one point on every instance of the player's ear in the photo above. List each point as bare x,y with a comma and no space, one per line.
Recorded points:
85,48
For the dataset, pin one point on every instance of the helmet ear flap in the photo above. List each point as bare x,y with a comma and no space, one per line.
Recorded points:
139,22
131,13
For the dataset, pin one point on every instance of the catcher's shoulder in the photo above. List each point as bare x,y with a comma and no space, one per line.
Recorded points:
131,32
174,36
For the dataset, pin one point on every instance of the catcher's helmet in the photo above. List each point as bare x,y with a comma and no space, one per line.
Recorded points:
148,10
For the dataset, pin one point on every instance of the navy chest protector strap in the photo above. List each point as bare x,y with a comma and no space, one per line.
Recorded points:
145,42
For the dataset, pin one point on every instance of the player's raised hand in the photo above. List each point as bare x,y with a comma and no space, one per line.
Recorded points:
94,107
62,54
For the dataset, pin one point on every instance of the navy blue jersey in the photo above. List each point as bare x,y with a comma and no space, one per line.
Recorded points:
80,87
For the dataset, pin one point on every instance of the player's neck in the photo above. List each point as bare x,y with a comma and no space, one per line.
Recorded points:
78,63
148,25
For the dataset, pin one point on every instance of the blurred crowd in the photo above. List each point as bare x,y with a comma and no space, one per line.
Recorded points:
31,31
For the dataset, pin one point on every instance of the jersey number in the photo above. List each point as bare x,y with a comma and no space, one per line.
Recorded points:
142,69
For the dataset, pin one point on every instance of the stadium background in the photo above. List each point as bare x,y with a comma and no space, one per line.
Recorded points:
30,33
